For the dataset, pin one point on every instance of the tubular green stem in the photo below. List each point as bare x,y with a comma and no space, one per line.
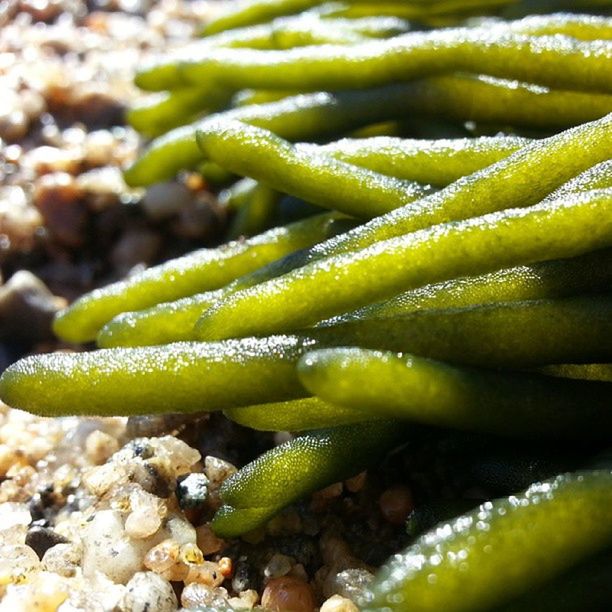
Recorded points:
567,591
161,112
307,117
255,215
296,118
201,270
163,323
418,11
555,61
582,27
436,162
188,377
597,177
299,467
513,181
175,321
477,561
590,273
307,29
241,14
506,334
429,392
163,72
551,230
296,415
517,179
590,371
304,173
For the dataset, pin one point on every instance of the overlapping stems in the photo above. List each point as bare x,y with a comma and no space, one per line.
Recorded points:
453,283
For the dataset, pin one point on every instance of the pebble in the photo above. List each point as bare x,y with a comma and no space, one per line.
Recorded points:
45,592
164,200
100,446
63,559
147,512
18,563
135,247
207,541
192,491
108,549
352,583
20,222
396,503
149,592
27,308
246,600
196,595
336,603
288,593
279,565
60,202
41,539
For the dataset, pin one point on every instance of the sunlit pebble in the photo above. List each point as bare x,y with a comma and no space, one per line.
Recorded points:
338,604
44,593
226,566
207,572
196,596
207,541
63,559
99,446
17,563
288,593
320,499
163,556
396,503
147,591
246,600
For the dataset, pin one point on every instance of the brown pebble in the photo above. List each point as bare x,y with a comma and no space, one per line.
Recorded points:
288,594
59,200
396,503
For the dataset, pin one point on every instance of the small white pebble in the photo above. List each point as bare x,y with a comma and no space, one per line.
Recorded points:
279,565
18,563
196,595
164,200
149,592
146,515
44,593
108,549
181,530
180,455
339,604
99,446
63,559
246,600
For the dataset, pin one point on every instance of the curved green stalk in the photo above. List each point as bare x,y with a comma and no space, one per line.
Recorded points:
555,61
214,376
301,466
199,271
437,162
331,286
296,415
590,273
433,393
312,116
502,549
302,172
